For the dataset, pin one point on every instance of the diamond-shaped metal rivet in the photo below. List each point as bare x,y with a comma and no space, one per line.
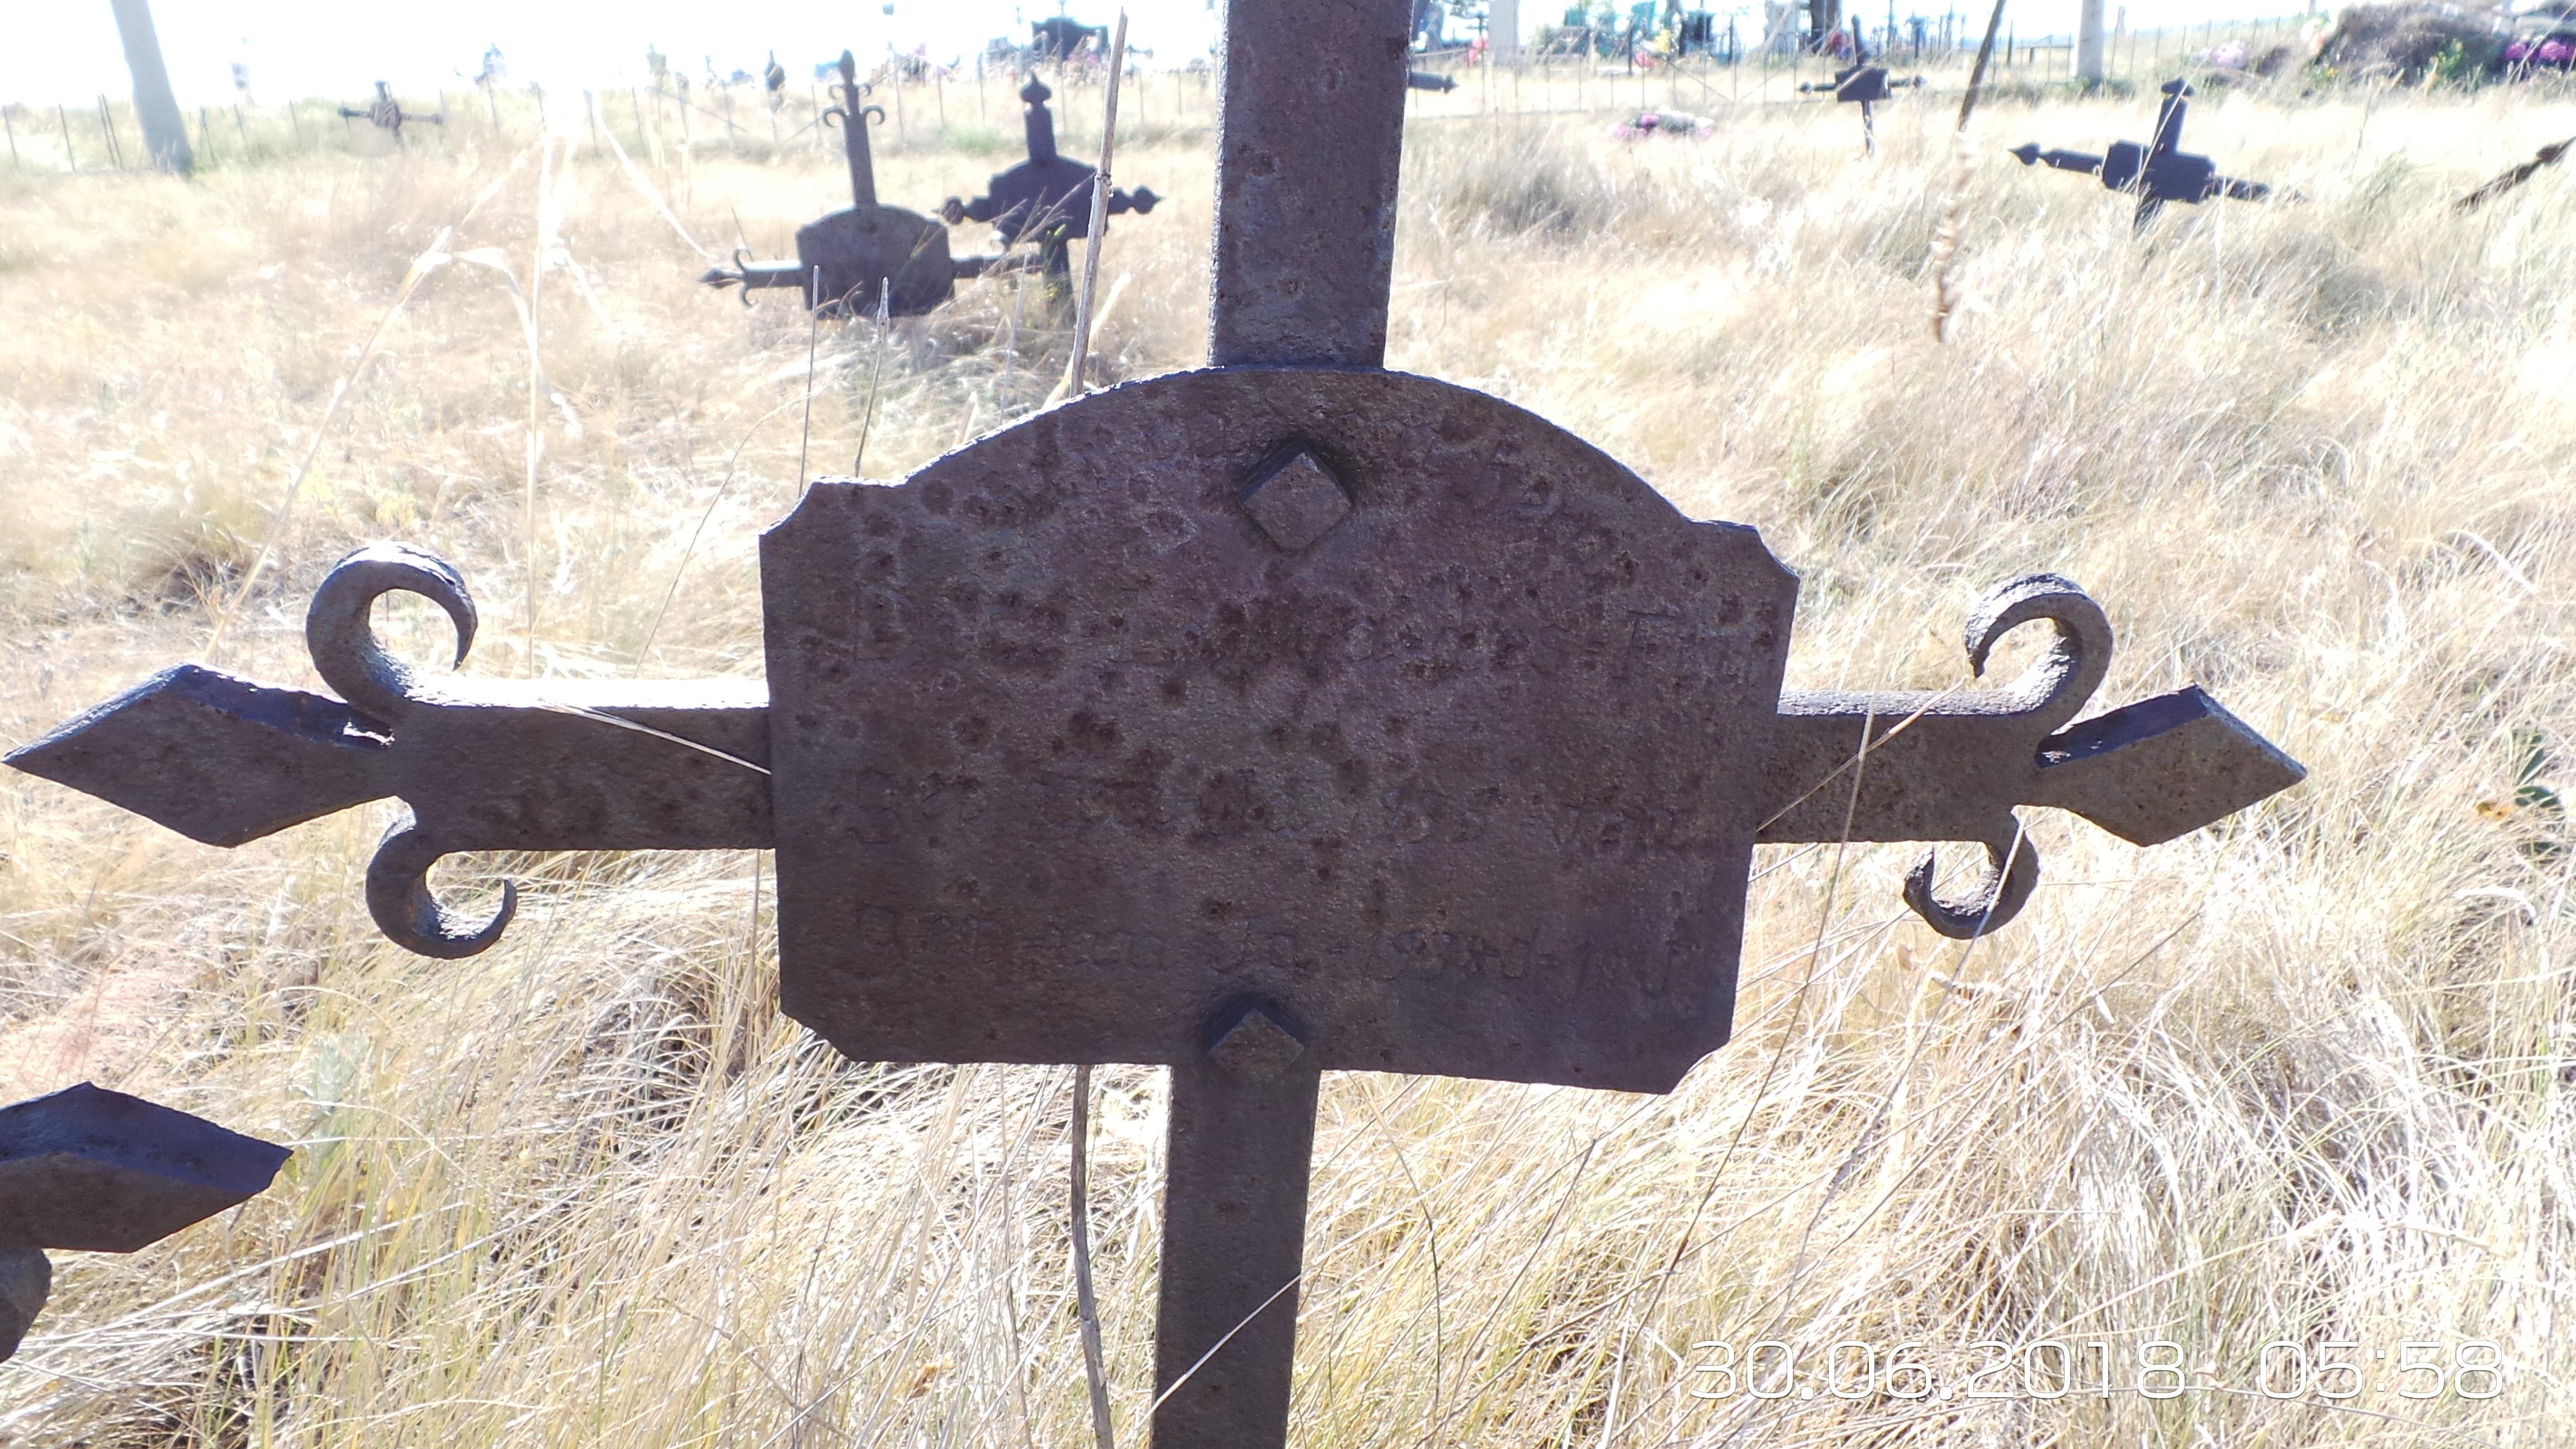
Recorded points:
1256,1046
1297,501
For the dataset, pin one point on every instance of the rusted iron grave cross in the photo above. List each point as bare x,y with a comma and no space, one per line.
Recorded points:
1280,716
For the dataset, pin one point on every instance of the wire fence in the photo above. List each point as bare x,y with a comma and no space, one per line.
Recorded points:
977,107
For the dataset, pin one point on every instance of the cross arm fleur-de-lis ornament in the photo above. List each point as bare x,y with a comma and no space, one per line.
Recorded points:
868,252
1279,716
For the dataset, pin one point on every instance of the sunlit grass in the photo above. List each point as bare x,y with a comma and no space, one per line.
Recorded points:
2299,1079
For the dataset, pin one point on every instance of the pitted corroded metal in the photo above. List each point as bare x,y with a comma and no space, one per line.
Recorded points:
1253,1044
1448,783
1306,169
2157,172
564,765
851,261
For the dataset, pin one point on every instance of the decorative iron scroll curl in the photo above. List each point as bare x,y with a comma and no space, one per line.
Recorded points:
2045,698
849,109
746,274
339,630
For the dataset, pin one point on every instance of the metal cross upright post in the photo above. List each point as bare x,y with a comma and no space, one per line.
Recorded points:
849,260
1280,716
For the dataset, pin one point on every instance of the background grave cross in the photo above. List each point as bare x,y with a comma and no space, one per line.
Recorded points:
1047,198
1274,717
850,259
2157,172
1866,84
387,114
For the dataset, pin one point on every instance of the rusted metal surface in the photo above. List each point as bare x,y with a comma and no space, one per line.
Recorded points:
849,260
99,1171
1306,166
484,764
2157,172
386,114
1441,764
1952,765
1239,1145
514,765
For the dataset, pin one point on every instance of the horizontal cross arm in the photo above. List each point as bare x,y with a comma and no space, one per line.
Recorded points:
1907,766
484,765
1955,765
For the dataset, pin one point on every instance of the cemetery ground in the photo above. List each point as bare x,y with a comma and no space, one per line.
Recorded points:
2289,1093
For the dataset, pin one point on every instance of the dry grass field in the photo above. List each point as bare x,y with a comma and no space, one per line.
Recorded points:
2308,1079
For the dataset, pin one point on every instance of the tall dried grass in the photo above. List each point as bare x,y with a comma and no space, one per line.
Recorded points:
2302,1078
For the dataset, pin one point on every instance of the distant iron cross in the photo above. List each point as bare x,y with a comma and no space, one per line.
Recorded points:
386,114
1279,716
851,259
1047,198
2157,172
1865,84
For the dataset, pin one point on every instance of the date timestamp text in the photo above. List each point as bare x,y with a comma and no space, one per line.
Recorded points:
2051,1368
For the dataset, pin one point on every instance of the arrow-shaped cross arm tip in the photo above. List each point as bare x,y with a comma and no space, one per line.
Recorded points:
217,757
2161,768
1924,766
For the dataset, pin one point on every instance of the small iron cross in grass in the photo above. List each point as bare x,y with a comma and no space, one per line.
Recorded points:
1865,84
386,114
851,259
2157,172
1279,716
1045,199
98,1171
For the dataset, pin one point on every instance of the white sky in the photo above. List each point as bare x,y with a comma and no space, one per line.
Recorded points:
67,50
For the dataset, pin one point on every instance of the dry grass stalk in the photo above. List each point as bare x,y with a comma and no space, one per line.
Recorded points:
2514,176
1945,240
1099,219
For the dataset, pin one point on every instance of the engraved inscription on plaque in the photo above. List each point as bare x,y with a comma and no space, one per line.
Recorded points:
1070,748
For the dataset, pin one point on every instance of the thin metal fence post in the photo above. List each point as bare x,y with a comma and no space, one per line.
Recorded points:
107,135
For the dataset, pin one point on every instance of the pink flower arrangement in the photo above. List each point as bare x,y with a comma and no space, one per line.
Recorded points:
2555,50
1661,123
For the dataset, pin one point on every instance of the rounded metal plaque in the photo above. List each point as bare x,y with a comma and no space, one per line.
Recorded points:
1364,694
868,248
